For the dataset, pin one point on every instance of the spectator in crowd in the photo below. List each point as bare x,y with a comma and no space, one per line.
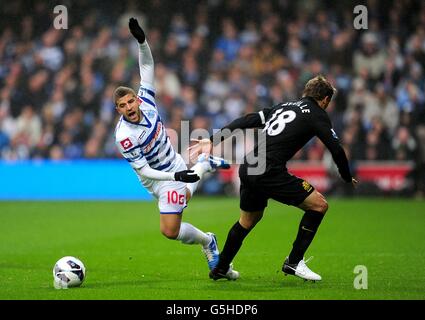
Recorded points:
216,60
228,42
370,56
404,144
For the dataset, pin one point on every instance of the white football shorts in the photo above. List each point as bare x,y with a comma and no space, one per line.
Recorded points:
171,195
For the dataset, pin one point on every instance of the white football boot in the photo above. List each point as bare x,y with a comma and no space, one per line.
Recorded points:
300,270
213,162
230,274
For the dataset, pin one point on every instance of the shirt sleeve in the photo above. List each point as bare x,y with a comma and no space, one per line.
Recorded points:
132,152
251,120
324,131
148,172
147,94
146,65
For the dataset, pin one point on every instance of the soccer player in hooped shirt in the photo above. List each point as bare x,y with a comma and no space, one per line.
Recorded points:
287,126
142,140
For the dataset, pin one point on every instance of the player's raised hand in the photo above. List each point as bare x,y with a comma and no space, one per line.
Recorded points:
186,176
136,30
200,146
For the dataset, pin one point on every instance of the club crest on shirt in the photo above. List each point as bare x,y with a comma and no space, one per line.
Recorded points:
126,143
307,187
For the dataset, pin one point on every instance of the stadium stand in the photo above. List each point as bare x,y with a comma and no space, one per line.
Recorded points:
215,60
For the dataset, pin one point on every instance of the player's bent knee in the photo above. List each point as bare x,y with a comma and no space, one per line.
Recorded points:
315,202
170,233
323,206
248,220
320,204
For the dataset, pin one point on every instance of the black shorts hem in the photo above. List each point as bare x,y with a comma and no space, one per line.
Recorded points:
301,199
260,208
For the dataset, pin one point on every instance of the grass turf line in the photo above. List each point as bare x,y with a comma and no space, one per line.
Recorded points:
127,258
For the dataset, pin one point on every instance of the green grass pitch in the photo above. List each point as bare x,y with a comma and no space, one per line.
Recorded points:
127,258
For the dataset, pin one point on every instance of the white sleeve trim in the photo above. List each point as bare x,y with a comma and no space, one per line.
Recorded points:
263,119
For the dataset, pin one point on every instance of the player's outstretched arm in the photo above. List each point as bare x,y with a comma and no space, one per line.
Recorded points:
187,176
250,120
136,30
146,62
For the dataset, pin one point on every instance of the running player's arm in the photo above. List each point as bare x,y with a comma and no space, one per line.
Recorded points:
323,129
251,120
134,155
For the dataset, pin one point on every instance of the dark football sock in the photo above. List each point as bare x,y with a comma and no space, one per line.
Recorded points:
233,243
306,231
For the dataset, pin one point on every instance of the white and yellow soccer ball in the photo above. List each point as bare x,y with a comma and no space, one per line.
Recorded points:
68,272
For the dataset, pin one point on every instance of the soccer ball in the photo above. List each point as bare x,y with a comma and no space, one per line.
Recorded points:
68,272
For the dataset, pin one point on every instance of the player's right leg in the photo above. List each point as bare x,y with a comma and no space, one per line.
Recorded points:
235,237
252,204
206,163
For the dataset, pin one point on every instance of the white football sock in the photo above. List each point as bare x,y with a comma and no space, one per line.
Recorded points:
190,235
200,168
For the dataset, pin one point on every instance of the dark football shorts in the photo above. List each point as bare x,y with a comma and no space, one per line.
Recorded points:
279,185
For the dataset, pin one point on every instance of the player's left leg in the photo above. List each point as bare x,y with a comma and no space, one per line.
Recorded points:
172,201
315,207
291,190
173,228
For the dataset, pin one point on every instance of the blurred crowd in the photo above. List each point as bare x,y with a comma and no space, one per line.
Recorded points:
215,60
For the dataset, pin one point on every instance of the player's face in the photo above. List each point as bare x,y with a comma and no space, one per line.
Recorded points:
128,106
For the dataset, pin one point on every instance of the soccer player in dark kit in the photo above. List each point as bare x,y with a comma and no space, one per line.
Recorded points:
287,127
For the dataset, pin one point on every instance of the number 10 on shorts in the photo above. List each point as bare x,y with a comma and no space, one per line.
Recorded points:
175,198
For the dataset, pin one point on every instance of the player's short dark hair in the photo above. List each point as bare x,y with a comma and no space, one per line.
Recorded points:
121,92
318,88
